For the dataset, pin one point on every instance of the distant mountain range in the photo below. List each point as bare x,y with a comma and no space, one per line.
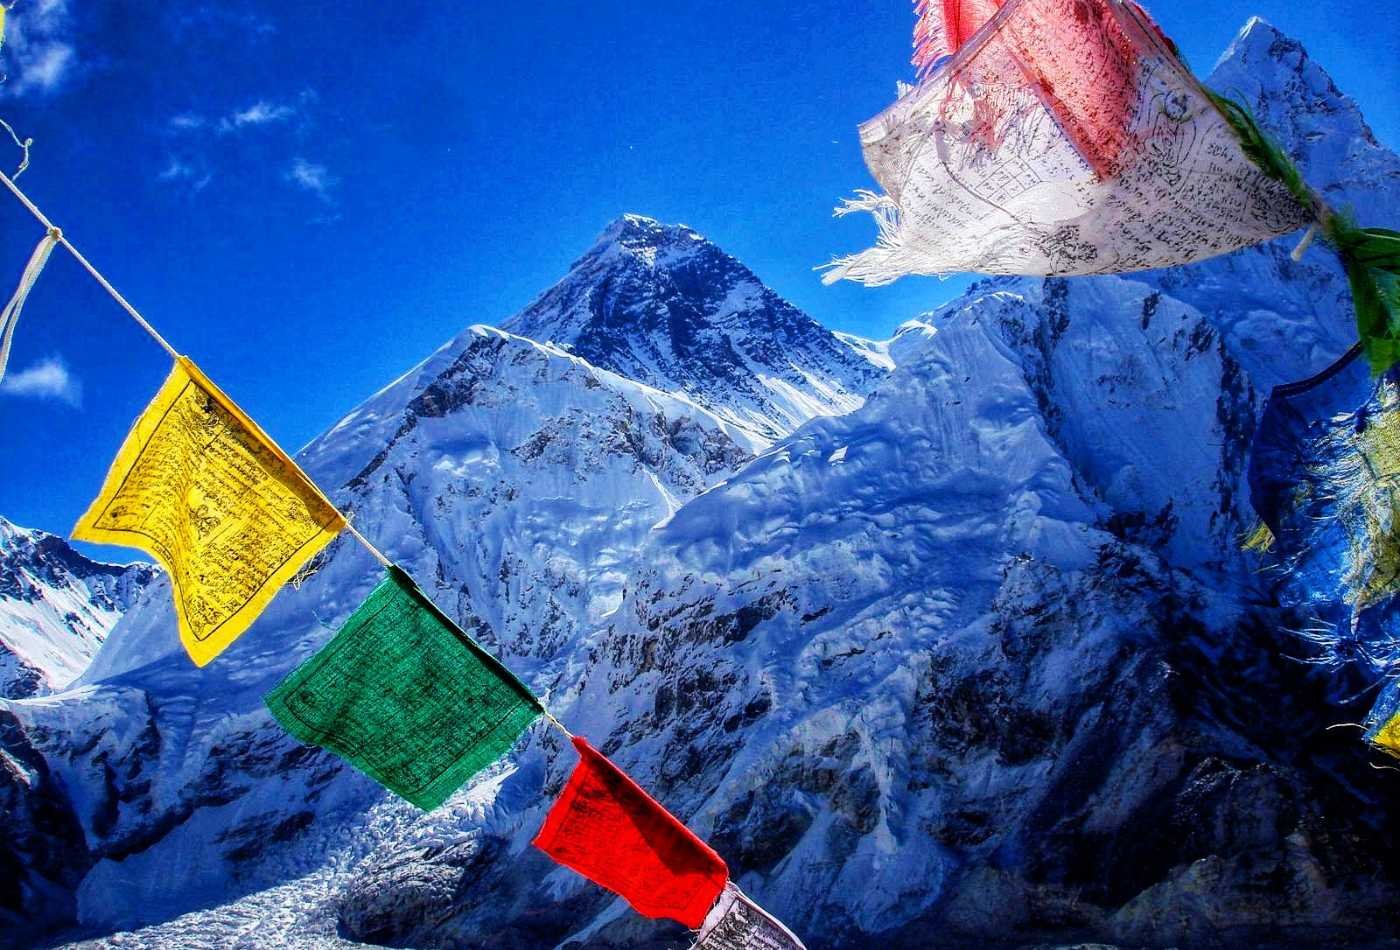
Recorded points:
942,640
56,608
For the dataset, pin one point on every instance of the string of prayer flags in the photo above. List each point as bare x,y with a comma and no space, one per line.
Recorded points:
605,827
406,696
1065,137
228,515
737,923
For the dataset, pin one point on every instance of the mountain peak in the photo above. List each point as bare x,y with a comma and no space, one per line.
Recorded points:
660,304
1298,104
645,239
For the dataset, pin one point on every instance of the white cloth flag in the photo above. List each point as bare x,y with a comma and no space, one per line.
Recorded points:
737,923
1065,137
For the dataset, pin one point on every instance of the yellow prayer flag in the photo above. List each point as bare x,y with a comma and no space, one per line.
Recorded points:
228,515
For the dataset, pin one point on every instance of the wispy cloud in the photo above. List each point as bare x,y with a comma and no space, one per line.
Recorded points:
188,122
259,113
211,20
309,176
38,55
263,112
199,143
178,171
46,379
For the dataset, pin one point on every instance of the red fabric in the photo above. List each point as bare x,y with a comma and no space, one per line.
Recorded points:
945,25
1072,53
1086,69
616,835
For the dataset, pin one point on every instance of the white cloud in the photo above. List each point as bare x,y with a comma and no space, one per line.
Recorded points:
46,379
38,56
188,122
312,177
45,67
259,113
177,171
219,21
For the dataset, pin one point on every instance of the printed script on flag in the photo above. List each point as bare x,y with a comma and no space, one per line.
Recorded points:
227,514
405,696
1065,137
608,829
737,923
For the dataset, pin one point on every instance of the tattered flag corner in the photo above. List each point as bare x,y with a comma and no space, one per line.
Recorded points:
737,923
1065,137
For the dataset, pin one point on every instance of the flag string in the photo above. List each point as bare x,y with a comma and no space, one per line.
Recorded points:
96,275
56,234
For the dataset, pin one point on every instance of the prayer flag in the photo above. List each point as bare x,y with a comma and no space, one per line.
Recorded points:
1324,477
407,697
737,923
228,515
1064,137
616,835
945,26
1383,725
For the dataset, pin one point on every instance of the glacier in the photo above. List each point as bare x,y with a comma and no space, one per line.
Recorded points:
941,640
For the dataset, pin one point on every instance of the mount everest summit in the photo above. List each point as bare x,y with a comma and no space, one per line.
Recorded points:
940,640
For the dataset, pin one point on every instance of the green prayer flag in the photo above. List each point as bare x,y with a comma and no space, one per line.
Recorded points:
405,696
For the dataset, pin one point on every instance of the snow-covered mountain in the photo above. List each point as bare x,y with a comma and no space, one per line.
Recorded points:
56,608
940,640
661,305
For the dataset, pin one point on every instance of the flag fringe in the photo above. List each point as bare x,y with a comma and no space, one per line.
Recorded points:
893,255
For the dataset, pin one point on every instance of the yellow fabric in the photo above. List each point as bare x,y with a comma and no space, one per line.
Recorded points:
228,515
1388,739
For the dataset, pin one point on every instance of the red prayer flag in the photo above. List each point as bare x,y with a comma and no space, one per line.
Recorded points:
616,835
945,25
1080,65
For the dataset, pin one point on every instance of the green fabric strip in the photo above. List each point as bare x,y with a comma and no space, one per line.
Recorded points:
1371,256
405,696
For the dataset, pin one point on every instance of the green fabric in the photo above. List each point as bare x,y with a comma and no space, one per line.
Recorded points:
405,696
1371,256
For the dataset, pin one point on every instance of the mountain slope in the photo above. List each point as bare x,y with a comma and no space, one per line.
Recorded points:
56,608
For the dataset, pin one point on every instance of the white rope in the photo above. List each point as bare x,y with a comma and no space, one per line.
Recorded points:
9,317
49,225
365,543
22,146
557,724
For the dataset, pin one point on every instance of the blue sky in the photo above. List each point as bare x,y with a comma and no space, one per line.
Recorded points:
309,197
